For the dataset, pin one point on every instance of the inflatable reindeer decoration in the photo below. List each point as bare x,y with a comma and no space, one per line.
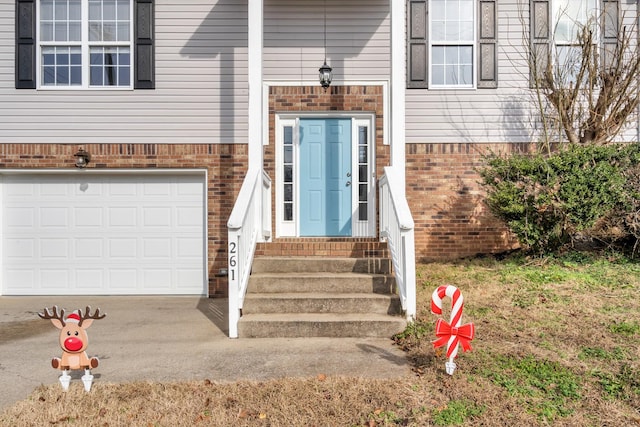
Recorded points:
73,341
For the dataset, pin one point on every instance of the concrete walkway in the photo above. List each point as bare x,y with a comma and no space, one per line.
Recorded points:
169,339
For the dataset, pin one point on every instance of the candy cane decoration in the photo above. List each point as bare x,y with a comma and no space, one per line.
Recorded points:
452,333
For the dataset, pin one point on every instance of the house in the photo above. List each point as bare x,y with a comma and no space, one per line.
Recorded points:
187,118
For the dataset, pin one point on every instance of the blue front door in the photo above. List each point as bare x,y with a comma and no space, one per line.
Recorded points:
325,177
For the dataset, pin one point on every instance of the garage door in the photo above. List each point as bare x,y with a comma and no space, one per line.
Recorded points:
108,234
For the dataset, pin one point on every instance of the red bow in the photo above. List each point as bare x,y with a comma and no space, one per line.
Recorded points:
463,335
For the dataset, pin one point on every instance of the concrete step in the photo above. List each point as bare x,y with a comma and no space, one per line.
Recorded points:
321,303
266,264
290,325
321,282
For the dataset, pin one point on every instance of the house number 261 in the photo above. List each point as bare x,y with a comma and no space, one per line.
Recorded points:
232,260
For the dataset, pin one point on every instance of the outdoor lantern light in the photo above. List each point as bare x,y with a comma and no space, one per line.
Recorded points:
82,158
325,75
324,72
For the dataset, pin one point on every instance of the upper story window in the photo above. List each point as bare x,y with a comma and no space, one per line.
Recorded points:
85,44
555,27
570,17
452,43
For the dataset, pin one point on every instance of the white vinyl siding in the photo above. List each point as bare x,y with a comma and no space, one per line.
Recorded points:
201,93
498,115
357,40
200,96
503,115
201,83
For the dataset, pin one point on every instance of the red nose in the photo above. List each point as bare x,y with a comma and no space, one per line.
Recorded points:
72,344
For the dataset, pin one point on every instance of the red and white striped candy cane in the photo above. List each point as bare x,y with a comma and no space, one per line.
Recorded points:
453,333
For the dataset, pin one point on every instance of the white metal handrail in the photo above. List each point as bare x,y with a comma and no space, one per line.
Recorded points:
396,226
250,222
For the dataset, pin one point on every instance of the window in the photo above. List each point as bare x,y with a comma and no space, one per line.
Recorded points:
287,173
452,44
570,16
364,183
85,44
554,30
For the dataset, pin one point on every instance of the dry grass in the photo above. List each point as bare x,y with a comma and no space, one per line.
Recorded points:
557,343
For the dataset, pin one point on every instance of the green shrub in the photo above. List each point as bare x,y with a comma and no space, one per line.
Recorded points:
581,192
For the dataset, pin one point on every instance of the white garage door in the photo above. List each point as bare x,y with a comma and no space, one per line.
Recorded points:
103,234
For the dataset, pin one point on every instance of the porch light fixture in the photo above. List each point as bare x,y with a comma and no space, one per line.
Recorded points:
324,72
82,158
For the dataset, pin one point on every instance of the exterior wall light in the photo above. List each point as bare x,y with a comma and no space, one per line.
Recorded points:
82,158
324,72
325,75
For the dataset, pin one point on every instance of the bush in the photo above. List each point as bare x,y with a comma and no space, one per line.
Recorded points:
583,192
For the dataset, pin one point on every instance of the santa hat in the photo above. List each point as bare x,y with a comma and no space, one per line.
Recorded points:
73,317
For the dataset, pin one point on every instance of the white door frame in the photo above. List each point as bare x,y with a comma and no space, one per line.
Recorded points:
291,227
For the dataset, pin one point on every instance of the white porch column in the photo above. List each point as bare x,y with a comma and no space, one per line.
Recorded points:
255,45
397,87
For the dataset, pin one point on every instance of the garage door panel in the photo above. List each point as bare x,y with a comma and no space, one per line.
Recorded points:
53,217
124,279
88,217
20,217
157,278
20,190
189,248
17,249
187,278
89,279
53,189
54,249
20,280
155,216
54,278
122,248
86,249
156,248
120,216
156,189
103,234
189,216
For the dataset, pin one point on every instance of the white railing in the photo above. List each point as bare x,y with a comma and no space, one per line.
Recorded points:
250,222
396,227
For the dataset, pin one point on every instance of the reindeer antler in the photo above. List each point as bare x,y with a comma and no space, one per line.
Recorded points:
55,315
87,315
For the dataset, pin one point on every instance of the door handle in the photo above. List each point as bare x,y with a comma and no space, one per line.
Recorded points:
348,174
348,183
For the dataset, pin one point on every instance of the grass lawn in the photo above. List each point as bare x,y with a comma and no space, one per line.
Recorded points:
557,343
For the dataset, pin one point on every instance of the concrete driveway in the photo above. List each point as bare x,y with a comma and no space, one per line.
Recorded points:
172,338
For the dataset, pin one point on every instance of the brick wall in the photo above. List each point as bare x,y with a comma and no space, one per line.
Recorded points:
442,185
451,220
226,166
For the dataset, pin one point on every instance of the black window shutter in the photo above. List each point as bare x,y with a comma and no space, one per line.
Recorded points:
610,26
539,38
144,45
487,45
25,17
417,52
